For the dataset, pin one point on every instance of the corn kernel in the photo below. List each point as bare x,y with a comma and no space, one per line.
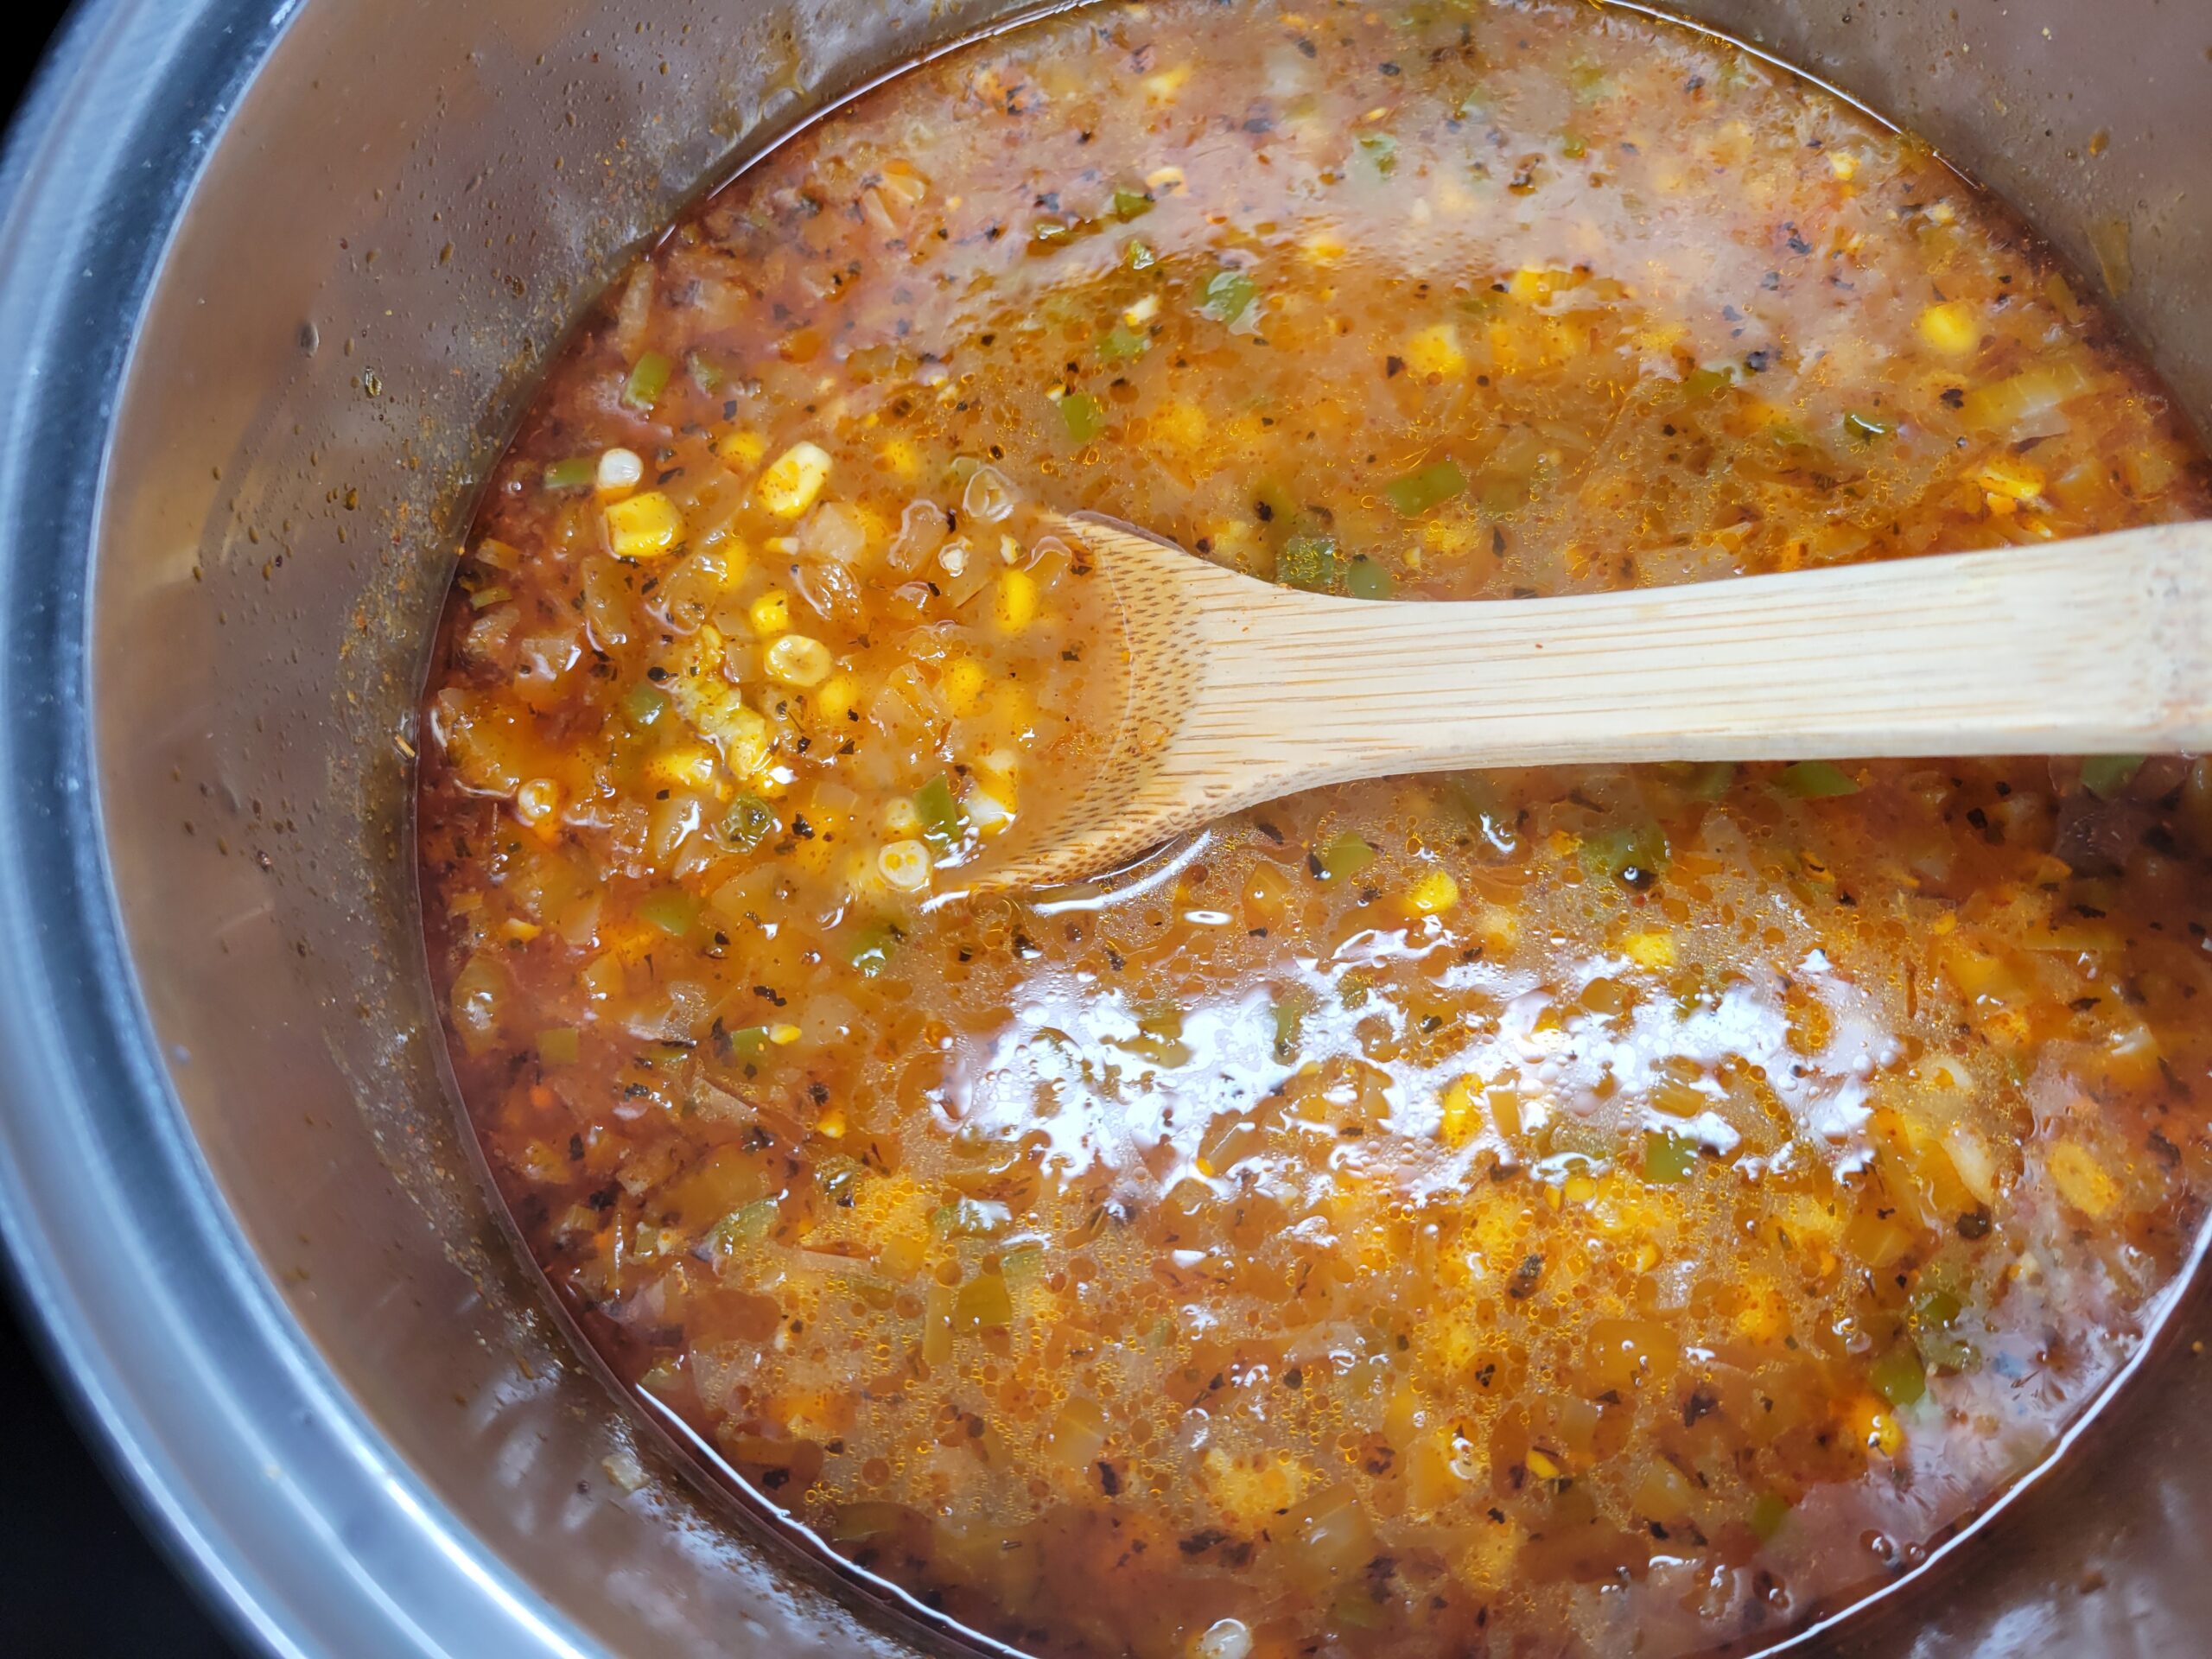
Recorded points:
815,855
682,765
602,977
1142,312
742,450
1951,327
1844,165
2015,478
1015,607
620,471
1497,928
1322,249
783,1036
1436,350
643,527
990,806
1168,82
537,800
1765,1316
772,612
964,679
1531,287
1462,1113
1455,539
798,659
835,699
1649,950
903,457
627,943
793,480
1873,1426
1183,425
904,865
1434,894
1540,1465
2082,1181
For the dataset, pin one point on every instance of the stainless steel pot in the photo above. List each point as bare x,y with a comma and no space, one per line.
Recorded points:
273,278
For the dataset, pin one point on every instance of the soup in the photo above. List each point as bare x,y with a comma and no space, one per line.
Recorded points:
1542,1212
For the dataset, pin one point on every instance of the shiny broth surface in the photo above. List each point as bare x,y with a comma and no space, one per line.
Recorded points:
1561,1213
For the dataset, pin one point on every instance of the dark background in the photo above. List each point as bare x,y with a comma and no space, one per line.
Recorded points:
77,1578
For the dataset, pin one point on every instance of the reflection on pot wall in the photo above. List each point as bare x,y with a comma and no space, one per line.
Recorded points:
392,232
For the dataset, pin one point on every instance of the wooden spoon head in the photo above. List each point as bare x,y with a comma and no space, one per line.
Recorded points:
1135,797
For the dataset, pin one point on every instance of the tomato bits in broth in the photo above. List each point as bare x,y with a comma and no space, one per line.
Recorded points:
1565,1212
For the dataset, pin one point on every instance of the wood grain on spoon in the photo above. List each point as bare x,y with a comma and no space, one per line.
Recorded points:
1241,691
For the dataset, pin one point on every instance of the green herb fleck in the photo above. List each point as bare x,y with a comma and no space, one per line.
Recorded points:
1816,780
944,823
2106,775
1417,493
1368,579
1634,855
671,910
1131,204
748,822
1704,382
1121,343
704,375
1767,1514
1227,296
871,948
1706,780
1899,1376
1307,562
1341,857
648,379
1083,416
747,1042
747,1225
645,703
1669,1159
1592,84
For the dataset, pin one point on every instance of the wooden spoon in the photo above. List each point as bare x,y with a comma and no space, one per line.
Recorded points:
1241,691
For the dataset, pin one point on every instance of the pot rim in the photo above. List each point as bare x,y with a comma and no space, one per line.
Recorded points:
270,1489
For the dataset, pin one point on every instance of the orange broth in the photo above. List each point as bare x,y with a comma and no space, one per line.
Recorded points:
1549,1212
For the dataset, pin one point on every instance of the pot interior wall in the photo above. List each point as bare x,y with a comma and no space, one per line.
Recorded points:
397,225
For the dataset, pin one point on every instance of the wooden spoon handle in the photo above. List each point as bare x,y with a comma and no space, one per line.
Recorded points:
2088,647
